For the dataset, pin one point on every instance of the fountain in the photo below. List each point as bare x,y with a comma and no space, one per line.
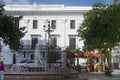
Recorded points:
42,72
63,59
39,54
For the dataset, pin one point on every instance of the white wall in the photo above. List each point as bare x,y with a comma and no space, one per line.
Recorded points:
62,31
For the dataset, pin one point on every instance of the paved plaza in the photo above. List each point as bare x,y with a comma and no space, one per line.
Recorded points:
99,76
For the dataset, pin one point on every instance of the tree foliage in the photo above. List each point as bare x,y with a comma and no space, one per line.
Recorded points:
101,28
10,31
52,56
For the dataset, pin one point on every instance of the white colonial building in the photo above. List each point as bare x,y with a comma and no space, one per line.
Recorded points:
116,54
64,20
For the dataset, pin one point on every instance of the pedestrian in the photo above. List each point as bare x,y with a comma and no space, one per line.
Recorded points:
2,68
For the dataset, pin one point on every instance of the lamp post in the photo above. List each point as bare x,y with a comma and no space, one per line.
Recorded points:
48,29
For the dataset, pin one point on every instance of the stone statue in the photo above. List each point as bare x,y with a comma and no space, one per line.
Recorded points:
63,58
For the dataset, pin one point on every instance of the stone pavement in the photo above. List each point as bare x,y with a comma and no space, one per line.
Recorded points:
99,76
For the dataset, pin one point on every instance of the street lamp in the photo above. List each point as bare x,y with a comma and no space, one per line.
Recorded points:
48,28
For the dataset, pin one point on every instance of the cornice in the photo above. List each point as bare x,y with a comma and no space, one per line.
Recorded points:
36,9
72,12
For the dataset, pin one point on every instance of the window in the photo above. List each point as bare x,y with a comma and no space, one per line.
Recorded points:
53,43
43,54
34,24
34,41
24,54
53,24
72,24
72,43
32,57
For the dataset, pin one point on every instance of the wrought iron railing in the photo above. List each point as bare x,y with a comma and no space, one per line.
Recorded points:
30,47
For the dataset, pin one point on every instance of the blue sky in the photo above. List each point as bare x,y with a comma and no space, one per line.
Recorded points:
64,2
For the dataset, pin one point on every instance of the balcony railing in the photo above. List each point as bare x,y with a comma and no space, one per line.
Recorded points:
33,47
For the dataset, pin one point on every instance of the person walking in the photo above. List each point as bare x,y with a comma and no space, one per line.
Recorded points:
2,68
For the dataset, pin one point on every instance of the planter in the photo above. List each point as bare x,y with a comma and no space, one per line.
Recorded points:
100,69
89,68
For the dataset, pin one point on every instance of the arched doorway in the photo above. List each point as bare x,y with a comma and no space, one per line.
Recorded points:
14,58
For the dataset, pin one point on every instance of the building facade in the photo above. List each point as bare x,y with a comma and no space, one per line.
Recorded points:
116,54
64,21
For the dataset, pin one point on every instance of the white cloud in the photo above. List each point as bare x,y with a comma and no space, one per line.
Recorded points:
16,1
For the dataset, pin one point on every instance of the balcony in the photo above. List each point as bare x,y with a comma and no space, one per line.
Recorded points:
33,47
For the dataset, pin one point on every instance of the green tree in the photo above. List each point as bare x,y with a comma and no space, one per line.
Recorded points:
101,29
10,31
52,56
115,1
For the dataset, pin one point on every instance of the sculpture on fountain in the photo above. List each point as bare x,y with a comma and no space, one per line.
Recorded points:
63,58
38,56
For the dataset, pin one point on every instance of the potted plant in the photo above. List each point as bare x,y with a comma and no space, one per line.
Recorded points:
99,68
89,67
